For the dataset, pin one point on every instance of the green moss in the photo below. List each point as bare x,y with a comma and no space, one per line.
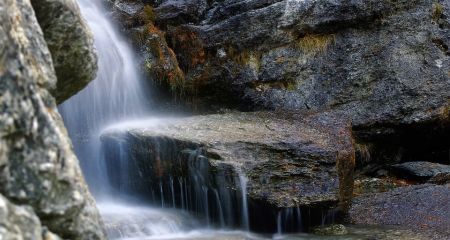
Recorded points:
148,14
438,10
291,86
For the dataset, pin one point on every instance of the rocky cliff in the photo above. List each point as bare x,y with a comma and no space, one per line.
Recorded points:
383,63
42,189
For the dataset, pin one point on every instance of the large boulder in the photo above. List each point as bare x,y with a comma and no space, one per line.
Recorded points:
71,45
278,161
37,165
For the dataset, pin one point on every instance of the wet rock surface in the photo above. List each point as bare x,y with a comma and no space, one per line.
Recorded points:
71,45
37,165
288,160
333,230
421,170
365,233
421,208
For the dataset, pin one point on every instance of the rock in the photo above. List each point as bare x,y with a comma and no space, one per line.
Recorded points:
128,13
176,12
440,178
331,230
365,185
71,44
294,55
18,222
420,208
420,170
289,159
160,60
382,233
37,165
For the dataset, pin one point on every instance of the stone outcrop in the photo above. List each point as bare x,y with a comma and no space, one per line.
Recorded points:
17,222
285,160
421,171
71,45
423,208
37,165
286,54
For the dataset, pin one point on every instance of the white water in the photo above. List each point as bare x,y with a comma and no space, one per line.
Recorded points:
118,93
245,219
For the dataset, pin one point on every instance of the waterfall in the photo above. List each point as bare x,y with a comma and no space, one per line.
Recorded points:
118,93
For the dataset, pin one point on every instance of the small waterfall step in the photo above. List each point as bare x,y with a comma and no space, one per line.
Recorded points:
237,169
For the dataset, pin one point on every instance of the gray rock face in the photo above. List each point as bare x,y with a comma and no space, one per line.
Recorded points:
382,63
18,222
421,170
37,165
71,45
422,208
289,160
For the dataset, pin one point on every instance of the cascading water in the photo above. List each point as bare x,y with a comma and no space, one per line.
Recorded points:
116,94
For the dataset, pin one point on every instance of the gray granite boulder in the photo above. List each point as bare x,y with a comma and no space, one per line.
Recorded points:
37,165
71,45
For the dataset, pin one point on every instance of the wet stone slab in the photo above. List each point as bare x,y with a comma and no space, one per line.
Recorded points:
422,208
277,161
420,170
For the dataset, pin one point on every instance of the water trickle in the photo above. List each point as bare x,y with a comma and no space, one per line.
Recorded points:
219,208
299,217
279,223
161,191
245,219
172,191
